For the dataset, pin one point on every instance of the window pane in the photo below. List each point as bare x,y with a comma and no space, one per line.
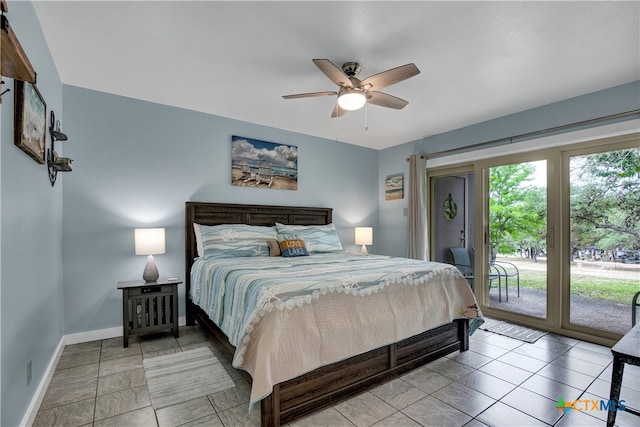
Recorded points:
605,238
517,238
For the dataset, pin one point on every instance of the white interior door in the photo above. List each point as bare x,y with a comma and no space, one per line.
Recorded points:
449,213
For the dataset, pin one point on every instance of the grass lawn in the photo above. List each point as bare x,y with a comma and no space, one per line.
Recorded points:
604,288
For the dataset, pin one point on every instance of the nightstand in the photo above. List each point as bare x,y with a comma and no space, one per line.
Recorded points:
149,307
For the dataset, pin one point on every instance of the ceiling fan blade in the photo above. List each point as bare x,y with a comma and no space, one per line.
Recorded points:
390,77
334,73
386,100
337,112
309,95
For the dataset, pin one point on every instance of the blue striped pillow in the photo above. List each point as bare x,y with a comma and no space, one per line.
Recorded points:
318,238
236,240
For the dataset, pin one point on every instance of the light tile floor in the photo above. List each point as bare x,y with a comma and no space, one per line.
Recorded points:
498,382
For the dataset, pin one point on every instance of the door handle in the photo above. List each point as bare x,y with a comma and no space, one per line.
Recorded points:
550,239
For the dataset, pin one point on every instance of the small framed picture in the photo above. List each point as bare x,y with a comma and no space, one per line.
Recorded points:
394,187
30,123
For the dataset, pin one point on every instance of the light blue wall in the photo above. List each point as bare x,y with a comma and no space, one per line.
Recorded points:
31,236
392,230
137,163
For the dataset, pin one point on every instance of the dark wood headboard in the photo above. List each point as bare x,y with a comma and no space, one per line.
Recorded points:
225,213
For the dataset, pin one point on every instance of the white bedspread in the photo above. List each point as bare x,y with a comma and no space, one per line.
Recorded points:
288,316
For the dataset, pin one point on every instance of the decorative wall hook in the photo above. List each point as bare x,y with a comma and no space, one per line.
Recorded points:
4,91
55,163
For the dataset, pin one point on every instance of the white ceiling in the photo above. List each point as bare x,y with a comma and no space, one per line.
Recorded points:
478,60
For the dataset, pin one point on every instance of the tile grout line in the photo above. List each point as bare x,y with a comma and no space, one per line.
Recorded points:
481,358
95,400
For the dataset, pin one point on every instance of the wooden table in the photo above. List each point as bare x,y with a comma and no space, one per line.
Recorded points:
627,350
149,307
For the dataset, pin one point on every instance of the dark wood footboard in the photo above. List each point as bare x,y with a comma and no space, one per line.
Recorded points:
330,384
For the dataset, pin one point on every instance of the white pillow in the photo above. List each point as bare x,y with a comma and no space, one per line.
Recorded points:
199,246
235,240
318,238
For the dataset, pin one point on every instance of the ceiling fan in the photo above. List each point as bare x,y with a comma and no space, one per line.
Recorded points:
354,93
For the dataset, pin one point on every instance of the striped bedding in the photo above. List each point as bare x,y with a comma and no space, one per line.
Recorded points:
288,316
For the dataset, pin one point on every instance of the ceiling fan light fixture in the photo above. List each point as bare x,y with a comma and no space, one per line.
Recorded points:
351,99
354,93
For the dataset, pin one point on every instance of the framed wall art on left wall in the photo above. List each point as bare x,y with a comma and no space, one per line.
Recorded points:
30,123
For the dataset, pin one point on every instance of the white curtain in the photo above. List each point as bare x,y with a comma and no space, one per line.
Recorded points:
417,239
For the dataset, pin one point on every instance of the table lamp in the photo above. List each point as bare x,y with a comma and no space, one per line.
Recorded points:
150,241
364,236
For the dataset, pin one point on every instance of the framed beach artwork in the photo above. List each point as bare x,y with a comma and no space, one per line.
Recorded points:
262,164
394,187
30,120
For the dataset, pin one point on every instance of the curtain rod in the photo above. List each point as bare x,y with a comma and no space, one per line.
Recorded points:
532,133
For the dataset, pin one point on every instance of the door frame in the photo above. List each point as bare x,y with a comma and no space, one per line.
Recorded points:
623,142
433,210
552,321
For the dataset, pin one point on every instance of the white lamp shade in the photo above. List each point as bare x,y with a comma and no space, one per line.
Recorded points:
351,99
364,235
149,241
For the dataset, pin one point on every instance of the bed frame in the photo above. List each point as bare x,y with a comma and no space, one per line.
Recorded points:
329,384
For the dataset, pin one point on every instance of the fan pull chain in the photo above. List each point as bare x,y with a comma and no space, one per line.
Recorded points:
337,122
366,117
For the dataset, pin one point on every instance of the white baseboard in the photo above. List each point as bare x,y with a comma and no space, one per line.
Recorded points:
100,334
38,396
103,334
78,338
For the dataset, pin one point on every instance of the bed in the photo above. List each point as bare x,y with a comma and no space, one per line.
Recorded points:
288,388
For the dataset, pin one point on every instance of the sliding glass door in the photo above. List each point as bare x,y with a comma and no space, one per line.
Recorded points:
604,215
553,236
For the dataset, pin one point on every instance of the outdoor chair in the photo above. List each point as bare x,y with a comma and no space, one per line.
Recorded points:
462,261
506,270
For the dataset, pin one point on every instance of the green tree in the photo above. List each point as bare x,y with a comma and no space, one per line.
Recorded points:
517,210
605,205
532,232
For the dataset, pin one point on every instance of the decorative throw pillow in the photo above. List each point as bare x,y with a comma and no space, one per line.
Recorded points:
318,238
293,248
274,247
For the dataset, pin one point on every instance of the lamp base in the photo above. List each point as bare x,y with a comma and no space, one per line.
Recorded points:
150,274
363,250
